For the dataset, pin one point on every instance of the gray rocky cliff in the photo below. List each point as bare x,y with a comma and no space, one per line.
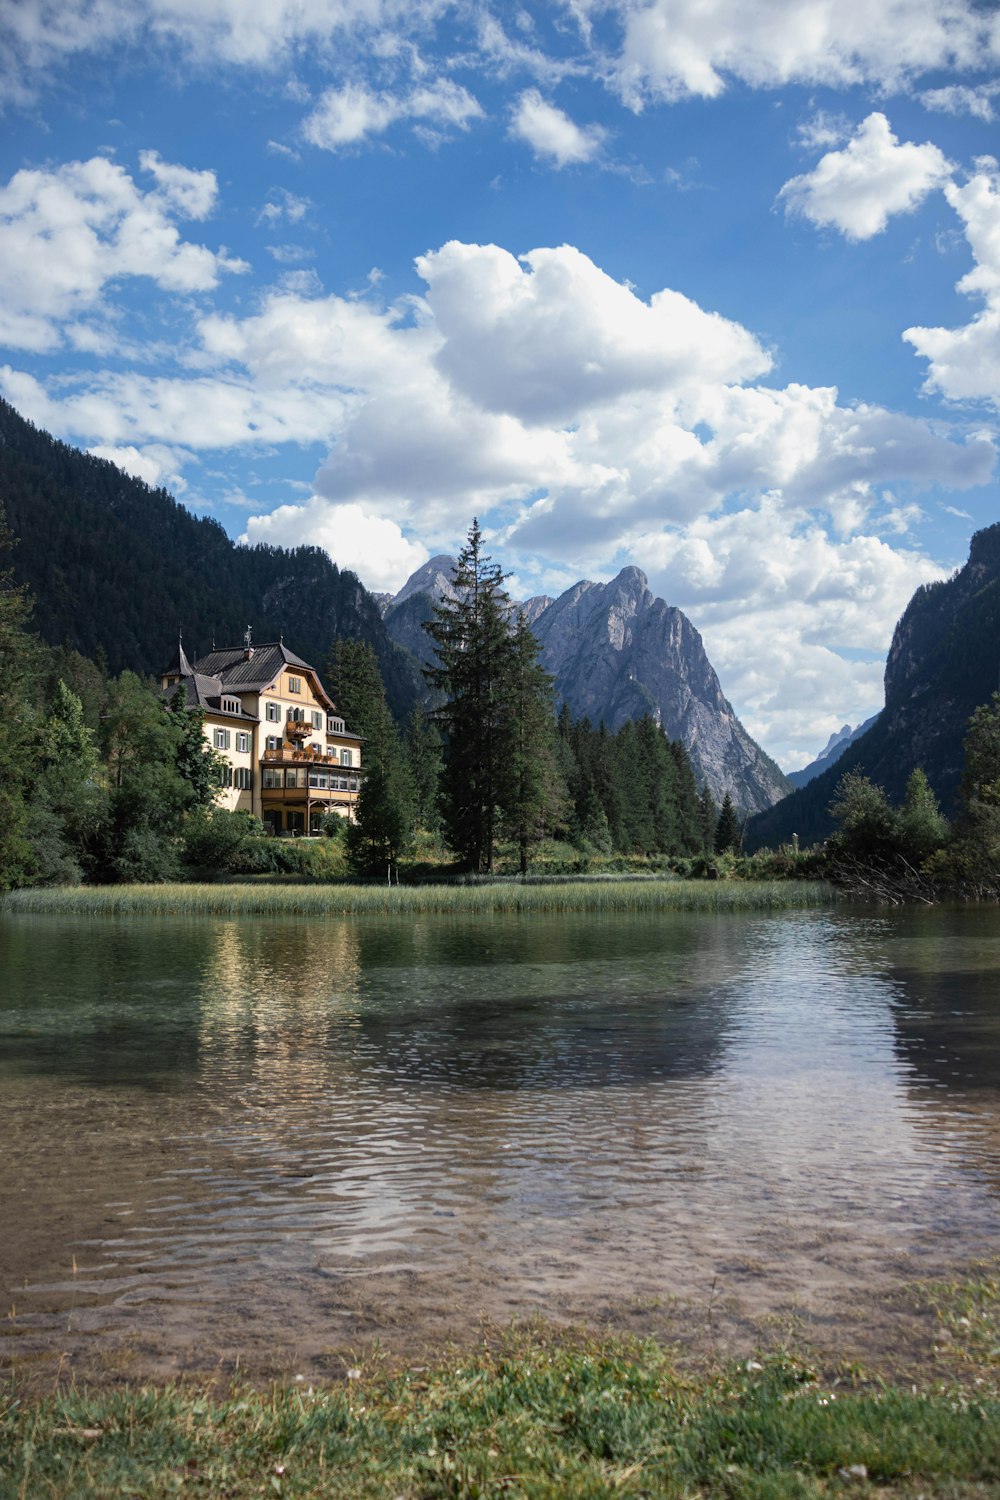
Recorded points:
616,653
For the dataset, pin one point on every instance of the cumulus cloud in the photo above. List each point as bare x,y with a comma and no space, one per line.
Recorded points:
549,335
808,594
369,545
672,49
858,189
551,134
584,421
66,232
964,363
346,116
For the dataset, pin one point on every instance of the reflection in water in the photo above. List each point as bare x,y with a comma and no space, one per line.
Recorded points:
263,1112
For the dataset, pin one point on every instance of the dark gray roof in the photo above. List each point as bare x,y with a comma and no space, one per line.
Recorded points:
233,669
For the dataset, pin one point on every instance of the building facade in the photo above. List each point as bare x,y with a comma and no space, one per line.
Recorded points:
290,758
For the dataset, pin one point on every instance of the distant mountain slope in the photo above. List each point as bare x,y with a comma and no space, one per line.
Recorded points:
833,750
117,568
943,663
616,653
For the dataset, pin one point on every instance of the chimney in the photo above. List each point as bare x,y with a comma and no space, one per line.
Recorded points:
247,645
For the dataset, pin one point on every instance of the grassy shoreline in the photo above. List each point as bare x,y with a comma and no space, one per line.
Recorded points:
537,1417
260,899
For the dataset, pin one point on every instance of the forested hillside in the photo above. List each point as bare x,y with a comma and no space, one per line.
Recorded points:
115,568
943,664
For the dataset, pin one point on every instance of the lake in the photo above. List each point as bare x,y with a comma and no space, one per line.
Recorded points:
259,1143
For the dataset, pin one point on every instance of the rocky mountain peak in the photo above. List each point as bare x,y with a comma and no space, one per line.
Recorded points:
435,577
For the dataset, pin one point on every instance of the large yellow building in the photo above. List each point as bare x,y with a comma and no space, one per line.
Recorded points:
290,758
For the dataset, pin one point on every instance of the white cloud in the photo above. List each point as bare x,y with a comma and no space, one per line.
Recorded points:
963,99
548,335
155,464
551,134
207,412
822,130
807,594
672,49
370,546
40,34
348,115
67,232
281,206
964,363
191,194
585,423
858,189
289,255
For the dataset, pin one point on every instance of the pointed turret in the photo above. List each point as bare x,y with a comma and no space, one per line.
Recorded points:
179,665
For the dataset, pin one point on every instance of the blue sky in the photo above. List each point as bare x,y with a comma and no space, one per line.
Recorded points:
712,289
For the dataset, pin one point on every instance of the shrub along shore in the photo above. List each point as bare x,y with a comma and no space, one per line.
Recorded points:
268,899
535,1418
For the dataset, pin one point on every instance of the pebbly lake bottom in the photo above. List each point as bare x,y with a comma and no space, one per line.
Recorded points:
269,1145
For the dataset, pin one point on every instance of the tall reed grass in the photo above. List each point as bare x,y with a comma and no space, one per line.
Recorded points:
360,900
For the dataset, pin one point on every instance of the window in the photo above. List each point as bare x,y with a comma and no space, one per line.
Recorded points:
317,720
272,778
225,776
334,726
244,778
296,715
273,742
272,713
222,738
242,741
231,706
345,758
317,778
295,684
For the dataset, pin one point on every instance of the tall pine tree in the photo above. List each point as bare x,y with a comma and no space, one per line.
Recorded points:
473,639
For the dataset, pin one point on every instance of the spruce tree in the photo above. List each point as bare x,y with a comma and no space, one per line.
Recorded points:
728,833
708,819
472,637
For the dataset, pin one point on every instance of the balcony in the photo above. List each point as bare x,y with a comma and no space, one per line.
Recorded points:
306,756
298,729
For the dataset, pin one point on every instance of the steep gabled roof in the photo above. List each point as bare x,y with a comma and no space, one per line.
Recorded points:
232,668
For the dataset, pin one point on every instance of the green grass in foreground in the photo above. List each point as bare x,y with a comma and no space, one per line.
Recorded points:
538,1421
338,900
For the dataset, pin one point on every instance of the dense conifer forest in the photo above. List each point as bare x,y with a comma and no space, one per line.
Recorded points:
115,569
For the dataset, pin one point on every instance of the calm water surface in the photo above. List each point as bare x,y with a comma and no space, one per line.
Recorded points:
226,1131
